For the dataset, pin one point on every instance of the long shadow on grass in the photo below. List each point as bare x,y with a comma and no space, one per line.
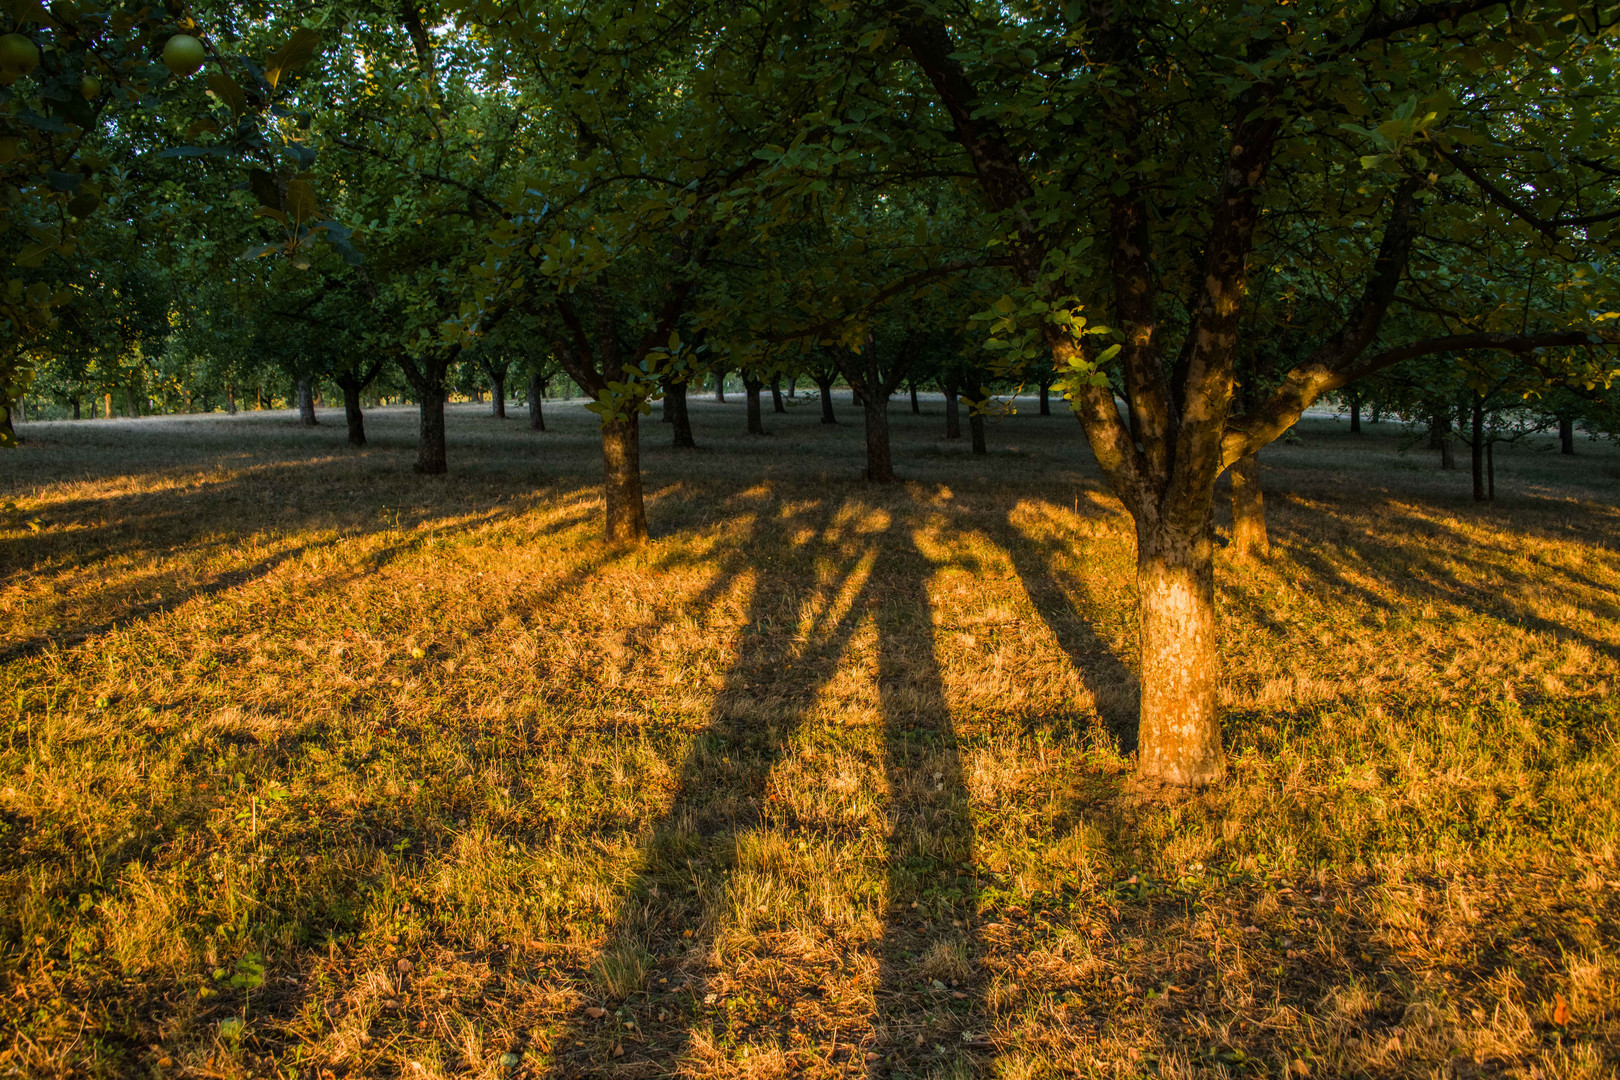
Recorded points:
799,620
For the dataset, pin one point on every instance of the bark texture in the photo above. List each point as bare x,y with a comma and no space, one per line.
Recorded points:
1179,739
825,384
497,395
306,401
879,459
1249,539
626,521
430,454
679,417
352,414
537,402
756,421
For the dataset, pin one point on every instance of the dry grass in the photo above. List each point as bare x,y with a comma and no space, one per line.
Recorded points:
826,780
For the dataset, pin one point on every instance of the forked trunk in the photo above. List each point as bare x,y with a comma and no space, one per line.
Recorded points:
497,395
680,418
1249,540
352,413
430,456
879,462
626,521
537,399
1566,435
756,422
306,401
777,405
1179,741
953,413
825,386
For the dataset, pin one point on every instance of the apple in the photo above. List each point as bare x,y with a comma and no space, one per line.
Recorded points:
18,55
90,87
184,55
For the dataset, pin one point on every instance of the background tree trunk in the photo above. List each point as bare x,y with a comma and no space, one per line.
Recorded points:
626,519
953,413
879,462
1046,399
537,399
1476,447
1249,539
306,401
497,395
777,404
793,386
916,407
430,455
825,386
720,387
352,413
1179,740
75,407
1355,413
230,399
751,387
976,429
679,417
1566,435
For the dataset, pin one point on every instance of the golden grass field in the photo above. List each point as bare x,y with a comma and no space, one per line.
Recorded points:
826,780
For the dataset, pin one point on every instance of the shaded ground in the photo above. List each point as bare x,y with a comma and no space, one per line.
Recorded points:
826,780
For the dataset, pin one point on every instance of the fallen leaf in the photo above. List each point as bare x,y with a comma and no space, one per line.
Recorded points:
596,1012
1560,1011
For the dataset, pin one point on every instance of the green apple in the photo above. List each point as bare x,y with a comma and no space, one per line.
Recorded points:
90,87
18,55
184,54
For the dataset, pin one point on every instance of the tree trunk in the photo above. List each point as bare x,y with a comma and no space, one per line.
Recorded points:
679,417
720,387
1566,435
879,462
8,433
1355,414
855,398
1179,741
230,399
1476,448
916,407
1046,399
75,408
976,428
430,457
825,386
352,413
1490,470
107,410
1249,540
626,521
306,401
537,397
497,395
793,386
953,413
777,404
752,386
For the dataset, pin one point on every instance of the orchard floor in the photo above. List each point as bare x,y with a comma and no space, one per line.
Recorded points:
312,767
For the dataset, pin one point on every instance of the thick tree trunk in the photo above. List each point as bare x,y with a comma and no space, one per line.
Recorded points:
756,422
352,413
720,387
1476,448
976,428
134,403
879,462
680,417
430,456
1249,540
777,405
1179,741
497,395
537,402
626,521
306,401
825,386
916,407
953,413
1566,435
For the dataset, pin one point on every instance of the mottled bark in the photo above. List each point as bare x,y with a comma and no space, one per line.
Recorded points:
1179,737
306,401
626,518
1249,539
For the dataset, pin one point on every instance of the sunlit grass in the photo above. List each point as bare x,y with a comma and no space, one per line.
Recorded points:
825,780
